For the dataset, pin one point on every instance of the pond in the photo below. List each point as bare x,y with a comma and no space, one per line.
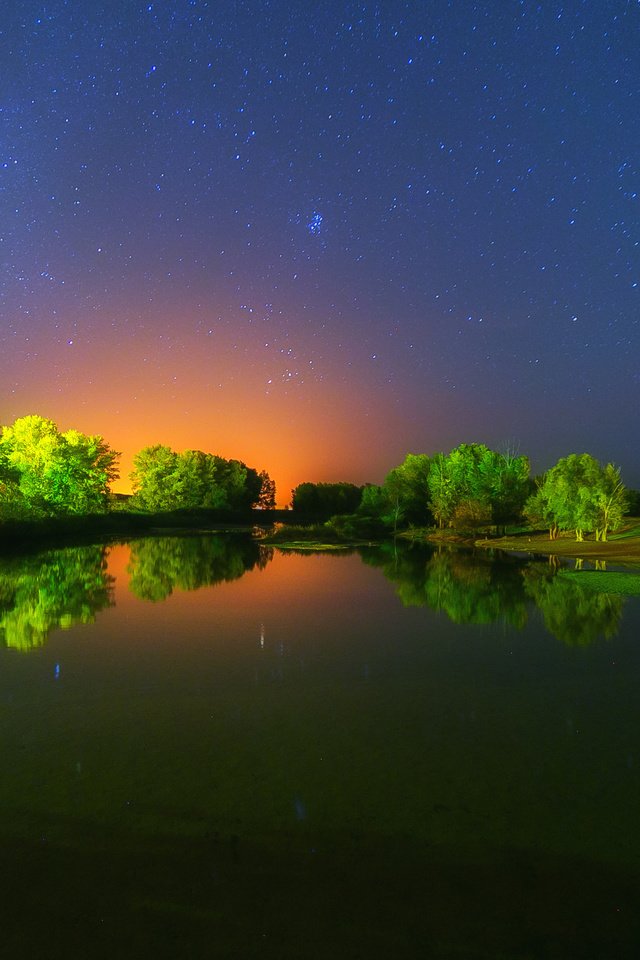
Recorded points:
214,749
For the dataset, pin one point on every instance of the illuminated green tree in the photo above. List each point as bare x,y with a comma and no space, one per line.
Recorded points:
443,493
240,483
192,478
13,504
374,501
503,484
579,494
47,472
87,470
165,480
475,485
612,502
538,510
154,479
406,491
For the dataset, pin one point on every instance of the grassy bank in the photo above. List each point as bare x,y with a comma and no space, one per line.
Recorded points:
622,547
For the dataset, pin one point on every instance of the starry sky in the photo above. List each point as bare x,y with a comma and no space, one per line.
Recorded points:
315,236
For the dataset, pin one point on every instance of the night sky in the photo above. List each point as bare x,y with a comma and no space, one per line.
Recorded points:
318,236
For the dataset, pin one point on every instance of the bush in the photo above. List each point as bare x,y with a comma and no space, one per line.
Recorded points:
351,526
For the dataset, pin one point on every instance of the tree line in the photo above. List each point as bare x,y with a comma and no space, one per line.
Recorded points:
165,480
46,473
473,487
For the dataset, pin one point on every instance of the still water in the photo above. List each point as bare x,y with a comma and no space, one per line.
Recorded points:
211,749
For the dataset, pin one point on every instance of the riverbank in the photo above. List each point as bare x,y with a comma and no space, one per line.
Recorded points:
622,547
19,536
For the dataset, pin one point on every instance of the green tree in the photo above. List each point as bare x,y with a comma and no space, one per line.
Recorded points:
155,481
504,484
537,509
579,493
193,477
473,484
406,489
611,501
49,472
89,468
165,480
240,484
13,505
442,492
373,502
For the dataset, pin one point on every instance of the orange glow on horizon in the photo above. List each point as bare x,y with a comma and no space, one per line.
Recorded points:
235,395
320,430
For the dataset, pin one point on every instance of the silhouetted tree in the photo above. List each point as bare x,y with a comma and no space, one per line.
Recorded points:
320,501
267,497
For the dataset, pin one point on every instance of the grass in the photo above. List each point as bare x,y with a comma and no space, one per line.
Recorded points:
628,532
622,547
603,581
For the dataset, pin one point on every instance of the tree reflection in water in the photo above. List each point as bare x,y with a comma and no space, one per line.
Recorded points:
61,588
56,589
160,565
574,614
475,588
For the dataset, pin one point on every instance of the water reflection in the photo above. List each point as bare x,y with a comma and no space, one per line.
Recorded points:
160,565
572,613
468,587
476,588
57,589
63,587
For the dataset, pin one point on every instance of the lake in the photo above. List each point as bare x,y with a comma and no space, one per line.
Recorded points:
214,749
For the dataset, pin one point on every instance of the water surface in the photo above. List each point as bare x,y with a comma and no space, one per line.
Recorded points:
214,750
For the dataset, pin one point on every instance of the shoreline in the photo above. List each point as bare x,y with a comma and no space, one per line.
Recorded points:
625,550
622,547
